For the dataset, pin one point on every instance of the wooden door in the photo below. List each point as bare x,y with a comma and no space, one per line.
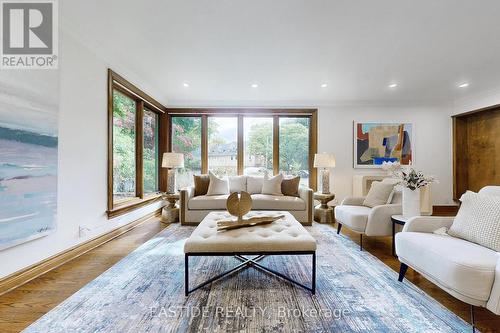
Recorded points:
476,150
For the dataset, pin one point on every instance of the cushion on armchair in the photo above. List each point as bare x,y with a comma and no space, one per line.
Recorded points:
354,217
478,220
379,194
462,266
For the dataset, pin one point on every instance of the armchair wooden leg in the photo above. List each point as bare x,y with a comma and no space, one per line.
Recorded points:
472,319
186,274
361,242
402,272
339,227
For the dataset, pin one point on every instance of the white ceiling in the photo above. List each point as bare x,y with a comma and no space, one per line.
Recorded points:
291,47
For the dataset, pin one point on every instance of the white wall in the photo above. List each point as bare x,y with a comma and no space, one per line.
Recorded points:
432,154
82,176
476,101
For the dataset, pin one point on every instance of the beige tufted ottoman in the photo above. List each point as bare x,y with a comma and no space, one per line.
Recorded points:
283,237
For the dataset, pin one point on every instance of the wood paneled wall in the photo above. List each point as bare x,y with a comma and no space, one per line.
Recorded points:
476,150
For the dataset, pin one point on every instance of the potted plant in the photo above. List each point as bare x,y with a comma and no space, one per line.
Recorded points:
412,181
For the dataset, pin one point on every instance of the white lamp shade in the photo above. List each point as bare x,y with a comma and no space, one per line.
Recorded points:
172,160
324,161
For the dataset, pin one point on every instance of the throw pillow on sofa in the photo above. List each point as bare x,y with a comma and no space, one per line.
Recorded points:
237,184
254,184
272,185
378,194
290,186
217,185
201,183
478,220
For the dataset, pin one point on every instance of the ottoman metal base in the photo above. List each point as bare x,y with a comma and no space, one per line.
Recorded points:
248,262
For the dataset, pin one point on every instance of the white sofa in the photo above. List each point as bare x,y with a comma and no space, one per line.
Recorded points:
194,209
467,271
368,221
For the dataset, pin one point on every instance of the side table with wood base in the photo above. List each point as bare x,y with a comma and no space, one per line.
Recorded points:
322,212
170,213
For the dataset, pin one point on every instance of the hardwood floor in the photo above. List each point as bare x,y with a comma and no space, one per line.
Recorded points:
24,305
27,303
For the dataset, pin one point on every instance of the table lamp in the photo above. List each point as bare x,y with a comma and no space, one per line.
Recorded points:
324,161
172,161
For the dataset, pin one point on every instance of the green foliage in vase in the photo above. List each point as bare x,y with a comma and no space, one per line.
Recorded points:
413,179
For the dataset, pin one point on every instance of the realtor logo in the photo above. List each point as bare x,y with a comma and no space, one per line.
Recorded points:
29,34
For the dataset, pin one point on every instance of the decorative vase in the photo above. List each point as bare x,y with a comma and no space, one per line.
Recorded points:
411,202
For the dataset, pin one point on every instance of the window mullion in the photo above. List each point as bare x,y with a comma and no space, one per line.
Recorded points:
204,144
139,149
313,149
276,145
240,147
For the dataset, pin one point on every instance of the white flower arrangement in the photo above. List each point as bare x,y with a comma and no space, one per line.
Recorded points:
408,177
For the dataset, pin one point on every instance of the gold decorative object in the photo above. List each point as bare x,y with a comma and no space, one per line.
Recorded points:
170,213
239,205
322,212
253,221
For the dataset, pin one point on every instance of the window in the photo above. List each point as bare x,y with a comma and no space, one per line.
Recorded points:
186,139
223,146
124,135
133,146
294,147
150,152
258,146
244,141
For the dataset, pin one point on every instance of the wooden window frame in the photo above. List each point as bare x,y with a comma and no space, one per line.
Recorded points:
117,82
238,113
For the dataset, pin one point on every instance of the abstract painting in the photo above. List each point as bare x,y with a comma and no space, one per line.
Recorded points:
376,143
28,155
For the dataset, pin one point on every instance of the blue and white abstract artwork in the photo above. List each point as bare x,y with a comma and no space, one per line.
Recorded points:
28,155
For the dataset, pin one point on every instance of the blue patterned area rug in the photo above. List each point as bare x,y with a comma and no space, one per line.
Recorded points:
144,293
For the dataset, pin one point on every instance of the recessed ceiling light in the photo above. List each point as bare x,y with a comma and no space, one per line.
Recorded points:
463,85
324,85
255,85
185,84
393,85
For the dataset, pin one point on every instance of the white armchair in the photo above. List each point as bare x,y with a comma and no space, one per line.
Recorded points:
467,271
367,221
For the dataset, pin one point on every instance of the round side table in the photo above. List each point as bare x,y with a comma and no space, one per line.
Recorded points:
322,212
170,213
400,220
